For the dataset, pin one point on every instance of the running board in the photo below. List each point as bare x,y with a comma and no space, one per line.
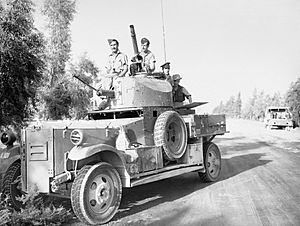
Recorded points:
167,174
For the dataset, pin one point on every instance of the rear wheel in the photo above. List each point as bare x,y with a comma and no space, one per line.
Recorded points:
170,132
12,186
212,163
96,193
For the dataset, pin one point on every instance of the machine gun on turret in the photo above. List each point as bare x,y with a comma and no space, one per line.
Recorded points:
100,91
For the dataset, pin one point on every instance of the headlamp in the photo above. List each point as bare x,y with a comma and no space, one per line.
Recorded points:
76,137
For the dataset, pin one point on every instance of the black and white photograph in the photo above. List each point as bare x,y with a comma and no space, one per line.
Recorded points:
139,112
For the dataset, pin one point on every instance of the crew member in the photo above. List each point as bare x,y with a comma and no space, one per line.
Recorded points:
179,92
116,67
117,61
166,71
148,63
144,61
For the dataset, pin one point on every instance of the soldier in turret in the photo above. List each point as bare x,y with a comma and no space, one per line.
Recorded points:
179,92
144,61
117,61
148,63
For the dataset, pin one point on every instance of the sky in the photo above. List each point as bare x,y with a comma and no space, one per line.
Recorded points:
219,47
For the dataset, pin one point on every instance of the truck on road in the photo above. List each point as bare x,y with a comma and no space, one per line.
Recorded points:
278,117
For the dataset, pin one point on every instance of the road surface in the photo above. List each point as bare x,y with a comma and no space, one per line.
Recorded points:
259,185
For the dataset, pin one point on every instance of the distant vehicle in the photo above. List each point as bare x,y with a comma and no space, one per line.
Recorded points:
278,117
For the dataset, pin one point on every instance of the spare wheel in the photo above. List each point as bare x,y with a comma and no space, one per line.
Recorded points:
170,132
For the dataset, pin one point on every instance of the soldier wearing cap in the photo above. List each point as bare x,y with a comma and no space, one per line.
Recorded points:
166,71
117,61
148,63
179,92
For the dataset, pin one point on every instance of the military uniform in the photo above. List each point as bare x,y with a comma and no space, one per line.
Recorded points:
168,77
116,62
180,93
148,58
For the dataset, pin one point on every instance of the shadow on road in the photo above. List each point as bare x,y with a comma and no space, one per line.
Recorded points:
140,198
220,139
238,164
242,147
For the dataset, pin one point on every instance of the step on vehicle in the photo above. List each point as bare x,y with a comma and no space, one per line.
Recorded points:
137,139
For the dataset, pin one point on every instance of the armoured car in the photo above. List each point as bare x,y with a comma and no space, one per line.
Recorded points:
139,137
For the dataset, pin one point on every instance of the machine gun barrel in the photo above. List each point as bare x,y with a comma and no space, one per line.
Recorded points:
100,92
134,42
85,83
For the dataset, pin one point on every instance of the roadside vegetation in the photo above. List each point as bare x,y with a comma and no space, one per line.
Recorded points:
36,211
255,107
36,68
36,82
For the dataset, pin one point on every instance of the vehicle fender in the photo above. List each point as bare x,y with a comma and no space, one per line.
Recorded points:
83,151
14,151
107,153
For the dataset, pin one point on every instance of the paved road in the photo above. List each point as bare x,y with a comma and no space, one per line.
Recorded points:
260,185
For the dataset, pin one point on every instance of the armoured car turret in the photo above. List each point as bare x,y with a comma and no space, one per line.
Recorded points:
139,138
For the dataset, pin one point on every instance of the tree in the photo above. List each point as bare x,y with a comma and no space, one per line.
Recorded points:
80,94
277,100
21,61
56,98
60,14
220,109
238,105
58,101
293,100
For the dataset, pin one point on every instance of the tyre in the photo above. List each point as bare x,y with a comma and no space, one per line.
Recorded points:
11,186
96,193
170,132
212,163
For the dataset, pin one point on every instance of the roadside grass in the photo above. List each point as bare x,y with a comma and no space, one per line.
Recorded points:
36,211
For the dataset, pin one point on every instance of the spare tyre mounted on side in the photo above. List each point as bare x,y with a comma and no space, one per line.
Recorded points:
170,132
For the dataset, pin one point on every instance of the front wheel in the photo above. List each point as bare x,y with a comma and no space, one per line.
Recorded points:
96,193
212,163
12,186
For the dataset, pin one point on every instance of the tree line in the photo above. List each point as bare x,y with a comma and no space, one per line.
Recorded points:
255,107
36,70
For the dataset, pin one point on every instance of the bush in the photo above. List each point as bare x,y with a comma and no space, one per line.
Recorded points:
35,212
